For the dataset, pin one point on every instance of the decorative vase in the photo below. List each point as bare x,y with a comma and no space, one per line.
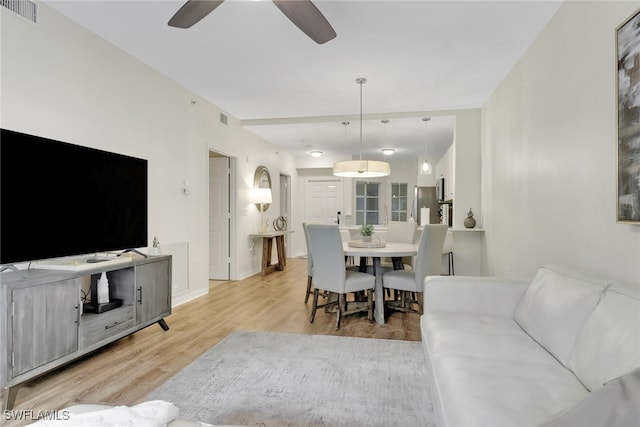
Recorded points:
470,221
366,238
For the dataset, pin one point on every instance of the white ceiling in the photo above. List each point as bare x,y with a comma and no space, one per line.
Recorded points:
247,58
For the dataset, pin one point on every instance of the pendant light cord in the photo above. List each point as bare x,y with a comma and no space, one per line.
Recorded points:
360,120
361,81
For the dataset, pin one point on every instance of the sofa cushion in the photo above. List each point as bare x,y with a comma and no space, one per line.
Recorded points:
487,392
608,345
556,305
499,338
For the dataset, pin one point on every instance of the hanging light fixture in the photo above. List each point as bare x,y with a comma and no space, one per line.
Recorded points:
361,168
425,167
386,151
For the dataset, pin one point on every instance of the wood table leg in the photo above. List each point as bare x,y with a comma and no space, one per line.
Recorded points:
267,244
267,252
282,260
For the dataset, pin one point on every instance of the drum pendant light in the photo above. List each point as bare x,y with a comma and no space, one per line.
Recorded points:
361,168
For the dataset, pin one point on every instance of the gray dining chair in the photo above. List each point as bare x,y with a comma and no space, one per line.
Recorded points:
309,265
428,263
399,232
346,238
330,274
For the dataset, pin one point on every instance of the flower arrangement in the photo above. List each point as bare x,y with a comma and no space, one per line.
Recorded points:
366,230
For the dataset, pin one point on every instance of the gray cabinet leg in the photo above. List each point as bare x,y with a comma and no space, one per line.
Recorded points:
8,397
163,324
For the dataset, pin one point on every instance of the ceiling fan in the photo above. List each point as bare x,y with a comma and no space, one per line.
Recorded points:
303,13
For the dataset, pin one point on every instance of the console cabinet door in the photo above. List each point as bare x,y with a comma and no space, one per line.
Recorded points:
153,287
45,324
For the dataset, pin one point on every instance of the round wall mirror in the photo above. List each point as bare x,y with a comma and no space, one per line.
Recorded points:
262,179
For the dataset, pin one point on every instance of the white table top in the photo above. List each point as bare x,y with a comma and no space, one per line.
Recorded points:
392,249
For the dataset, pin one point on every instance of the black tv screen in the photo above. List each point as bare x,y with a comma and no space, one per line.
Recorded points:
59,199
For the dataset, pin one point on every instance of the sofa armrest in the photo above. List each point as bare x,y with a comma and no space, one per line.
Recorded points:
492,296
613,405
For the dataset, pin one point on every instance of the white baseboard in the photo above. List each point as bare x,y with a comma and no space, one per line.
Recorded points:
177,300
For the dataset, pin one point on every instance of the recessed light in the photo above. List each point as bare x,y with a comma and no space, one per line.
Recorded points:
388,151
316,153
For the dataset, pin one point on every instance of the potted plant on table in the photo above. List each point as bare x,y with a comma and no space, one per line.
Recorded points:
366,231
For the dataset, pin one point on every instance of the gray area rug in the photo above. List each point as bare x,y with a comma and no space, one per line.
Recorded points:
272,379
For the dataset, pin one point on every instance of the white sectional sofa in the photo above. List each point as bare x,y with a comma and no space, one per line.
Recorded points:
561,350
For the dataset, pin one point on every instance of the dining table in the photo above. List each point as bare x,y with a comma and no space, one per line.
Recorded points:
376,251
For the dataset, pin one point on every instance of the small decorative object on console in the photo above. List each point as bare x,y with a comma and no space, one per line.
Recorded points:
470,221
155,248
280,223
103,289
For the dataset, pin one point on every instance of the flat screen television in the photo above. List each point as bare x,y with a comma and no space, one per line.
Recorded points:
59,199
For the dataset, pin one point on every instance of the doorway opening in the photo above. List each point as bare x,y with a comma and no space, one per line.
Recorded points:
222,197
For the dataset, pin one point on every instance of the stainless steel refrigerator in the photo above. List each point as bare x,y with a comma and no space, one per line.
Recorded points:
425,197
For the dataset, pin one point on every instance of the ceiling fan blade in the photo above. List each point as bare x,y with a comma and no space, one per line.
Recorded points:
306,16
193,11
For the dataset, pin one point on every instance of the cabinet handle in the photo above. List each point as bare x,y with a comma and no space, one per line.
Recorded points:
140,295
111,326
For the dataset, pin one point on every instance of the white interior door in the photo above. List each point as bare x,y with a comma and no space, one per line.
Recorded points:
285,203
219,249
323,201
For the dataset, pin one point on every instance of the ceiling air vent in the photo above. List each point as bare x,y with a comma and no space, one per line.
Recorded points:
223,118
24,8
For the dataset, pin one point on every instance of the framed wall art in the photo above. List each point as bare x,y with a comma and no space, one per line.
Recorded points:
628,60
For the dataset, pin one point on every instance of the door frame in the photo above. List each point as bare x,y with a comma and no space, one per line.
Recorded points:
232,209
285,199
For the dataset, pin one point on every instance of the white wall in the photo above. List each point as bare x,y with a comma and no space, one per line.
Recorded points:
250,152
549,152
62,82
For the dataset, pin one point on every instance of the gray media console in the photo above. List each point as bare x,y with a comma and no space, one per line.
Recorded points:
43,323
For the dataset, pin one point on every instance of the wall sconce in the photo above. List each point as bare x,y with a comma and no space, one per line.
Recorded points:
261,197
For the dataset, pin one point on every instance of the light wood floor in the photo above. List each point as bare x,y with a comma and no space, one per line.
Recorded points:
124,372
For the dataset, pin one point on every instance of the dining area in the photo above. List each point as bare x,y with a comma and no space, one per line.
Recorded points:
386,277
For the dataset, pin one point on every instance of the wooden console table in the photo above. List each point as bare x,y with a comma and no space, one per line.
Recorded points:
267,246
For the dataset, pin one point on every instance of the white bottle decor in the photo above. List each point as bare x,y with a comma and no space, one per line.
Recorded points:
103,289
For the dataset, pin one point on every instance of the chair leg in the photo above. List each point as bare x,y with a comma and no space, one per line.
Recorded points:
341,304
315,305
407,302
306,297
370,304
